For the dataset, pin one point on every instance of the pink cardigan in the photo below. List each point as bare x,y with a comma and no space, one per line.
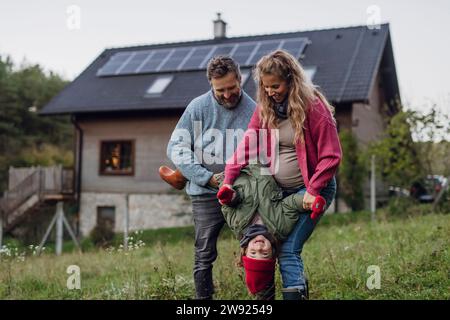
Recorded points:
318,158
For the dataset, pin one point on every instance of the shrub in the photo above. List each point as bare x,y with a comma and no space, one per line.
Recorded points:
407,207
352,171
102,235
444,203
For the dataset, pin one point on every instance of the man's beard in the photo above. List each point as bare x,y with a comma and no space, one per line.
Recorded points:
231,102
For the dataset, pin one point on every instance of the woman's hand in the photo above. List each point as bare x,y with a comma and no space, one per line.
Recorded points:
226,194
308,200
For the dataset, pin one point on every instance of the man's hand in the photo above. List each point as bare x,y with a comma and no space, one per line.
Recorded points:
213,182
308,200
216,180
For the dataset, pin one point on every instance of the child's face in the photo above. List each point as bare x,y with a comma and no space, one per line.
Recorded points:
259,248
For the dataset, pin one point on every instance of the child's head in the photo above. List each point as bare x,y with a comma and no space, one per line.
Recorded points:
259,247
258,250
258,243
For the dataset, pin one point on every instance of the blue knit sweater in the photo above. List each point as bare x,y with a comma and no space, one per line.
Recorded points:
199,145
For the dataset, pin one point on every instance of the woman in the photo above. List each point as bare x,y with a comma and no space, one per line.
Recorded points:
309,151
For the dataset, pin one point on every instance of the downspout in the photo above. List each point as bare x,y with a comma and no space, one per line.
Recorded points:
79,151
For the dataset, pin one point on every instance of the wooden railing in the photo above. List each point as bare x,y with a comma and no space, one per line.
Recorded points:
67,181
31,185
40,182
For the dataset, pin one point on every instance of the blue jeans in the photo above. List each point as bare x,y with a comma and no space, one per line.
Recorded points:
291,264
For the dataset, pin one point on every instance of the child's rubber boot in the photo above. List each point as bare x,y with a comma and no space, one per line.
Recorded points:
173,177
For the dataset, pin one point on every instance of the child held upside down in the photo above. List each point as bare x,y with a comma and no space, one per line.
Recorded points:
261,219
259,216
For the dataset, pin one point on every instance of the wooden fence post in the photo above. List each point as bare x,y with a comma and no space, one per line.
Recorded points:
126,224
372,189
59,227
1,229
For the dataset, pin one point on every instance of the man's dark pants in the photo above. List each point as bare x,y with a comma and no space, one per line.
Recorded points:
208,221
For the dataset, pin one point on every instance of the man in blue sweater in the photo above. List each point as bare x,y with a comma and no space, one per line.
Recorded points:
199,148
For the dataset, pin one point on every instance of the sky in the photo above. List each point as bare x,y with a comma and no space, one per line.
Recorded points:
66,36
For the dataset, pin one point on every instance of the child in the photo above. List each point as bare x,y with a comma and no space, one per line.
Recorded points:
259,216
256,212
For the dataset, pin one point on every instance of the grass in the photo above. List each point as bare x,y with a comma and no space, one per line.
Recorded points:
410,250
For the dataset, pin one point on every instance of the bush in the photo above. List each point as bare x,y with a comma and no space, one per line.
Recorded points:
102,235
444,203
398,157
407,207
352,171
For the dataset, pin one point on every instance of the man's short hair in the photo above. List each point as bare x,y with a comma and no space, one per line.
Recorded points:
220,66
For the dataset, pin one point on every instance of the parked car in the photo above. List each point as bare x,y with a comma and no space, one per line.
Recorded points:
425,190
398,192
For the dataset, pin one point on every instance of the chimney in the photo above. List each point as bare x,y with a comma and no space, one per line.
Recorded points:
220,27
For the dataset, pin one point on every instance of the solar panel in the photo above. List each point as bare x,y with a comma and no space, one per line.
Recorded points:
242,52
155,60
175,59
108,70
133,63
246,54
295,46
217,51
262,50
197,57
114,63
149,56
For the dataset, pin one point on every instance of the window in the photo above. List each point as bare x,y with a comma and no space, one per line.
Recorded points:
117,157
244,76
310,72
159,85
106,217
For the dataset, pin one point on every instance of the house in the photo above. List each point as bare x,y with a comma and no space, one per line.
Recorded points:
126,103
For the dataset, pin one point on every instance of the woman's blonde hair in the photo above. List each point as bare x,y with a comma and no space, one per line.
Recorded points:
301,95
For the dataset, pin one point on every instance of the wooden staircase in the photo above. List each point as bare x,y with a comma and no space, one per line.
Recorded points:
31,189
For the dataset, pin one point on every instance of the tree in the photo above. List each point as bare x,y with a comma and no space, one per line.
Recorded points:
397,155
24,136
352,171
403,160
432,132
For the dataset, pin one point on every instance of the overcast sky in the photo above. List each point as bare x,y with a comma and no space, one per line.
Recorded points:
48,31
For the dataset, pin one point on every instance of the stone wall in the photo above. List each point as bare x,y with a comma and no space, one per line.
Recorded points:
146,211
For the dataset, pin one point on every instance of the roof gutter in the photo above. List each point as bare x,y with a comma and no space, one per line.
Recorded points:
78,153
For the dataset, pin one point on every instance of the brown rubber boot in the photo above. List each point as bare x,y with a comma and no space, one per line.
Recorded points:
174,178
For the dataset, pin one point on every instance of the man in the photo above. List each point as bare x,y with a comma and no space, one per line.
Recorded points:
198,149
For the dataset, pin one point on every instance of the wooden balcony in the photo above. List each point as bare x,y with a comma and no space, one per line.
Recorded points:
28,188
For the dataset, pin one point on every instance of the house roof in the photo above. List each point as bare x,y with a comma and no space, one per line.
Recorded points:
346,61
